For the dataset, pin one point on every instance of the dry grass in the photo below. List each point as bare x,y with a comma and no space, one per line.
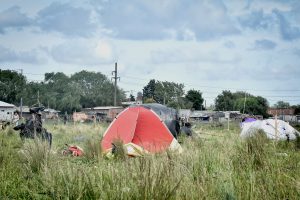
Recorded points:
215,164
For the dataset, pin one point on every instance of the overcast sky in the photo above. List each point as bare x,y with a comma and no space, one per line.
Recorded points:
209,45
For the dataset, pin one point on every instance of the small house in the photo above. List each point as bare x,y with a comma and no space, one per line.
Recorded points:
184,113
24,112
6,111
50,113
79,117
285,114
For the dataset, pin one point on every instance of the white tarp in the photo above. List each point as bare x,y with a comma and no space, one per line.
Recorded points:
284,130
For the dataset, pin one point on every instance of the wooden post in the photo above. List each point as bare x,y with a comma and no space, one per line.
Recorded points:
227,115
228,124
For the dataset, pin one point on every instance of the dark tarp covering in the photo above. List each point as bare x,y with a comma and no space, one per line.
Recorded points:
168,115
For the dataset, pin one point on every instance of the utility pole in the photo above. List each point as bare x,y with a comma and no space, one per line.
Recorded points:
21,100
116,78
21,108
38,98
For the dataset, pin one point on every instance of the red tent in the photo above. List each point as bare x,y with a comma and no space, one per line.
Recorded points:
141,131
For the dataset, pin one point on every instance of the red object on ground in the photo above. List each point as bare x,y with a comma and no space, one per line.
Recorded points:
140,128
73,150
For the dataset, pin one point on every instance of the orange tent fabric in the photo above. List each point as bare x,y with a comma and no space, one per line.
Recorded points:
141,130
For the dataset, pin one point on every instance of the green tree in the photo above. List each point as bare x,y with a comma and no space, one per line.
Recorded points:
132,98
95,89
255,105
61,93
225,101
195,97
33,94
282,104
181,103
297,109
163,92
12,85
149,89
166,92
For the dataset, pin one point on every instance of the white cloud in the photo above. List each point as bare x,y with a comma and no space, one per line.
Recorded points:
216,44
83,52
13,18
138,20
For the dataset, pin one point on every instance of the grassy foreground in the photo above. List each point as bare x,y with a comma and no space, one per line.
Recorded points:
215,164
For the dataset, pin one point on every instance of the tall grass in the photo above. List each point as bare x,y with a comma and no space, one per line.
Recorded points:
215,164
262,170
92,150
34,156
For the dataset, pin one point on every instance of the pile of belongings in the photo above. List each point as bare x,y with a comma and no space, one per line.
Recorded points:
72,150
280,131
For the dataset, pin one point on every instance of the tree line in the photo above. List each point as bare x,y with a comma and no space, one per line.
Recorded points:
86,89
65,93
173,95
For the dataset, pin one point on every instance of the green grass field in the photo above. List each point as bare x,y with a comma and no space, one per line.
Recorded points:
215,164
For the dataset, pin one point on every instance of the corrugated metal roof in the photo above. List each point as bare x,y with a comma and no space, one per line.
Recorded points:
6,105
25,109
50,110
105,107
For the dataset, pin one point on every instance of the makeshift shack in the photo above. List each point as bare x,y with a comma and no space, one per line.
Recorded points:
6,111
79,117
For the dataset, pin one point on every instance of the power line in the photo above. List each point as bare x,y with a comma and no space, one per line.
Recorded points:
267,96
34,74
219,87
189,84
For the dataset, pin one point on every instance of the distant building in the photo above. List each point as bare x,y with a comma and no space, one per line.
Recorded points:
285,114
6,111
208,115
25,112
79,117
201,115
279,111
298,118
104,113
184,113
50,113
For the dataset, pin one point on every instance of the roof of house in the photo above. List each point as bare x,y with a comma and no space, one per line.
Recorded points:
106,107
6,105
129,103
25,109
202,113
50,110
